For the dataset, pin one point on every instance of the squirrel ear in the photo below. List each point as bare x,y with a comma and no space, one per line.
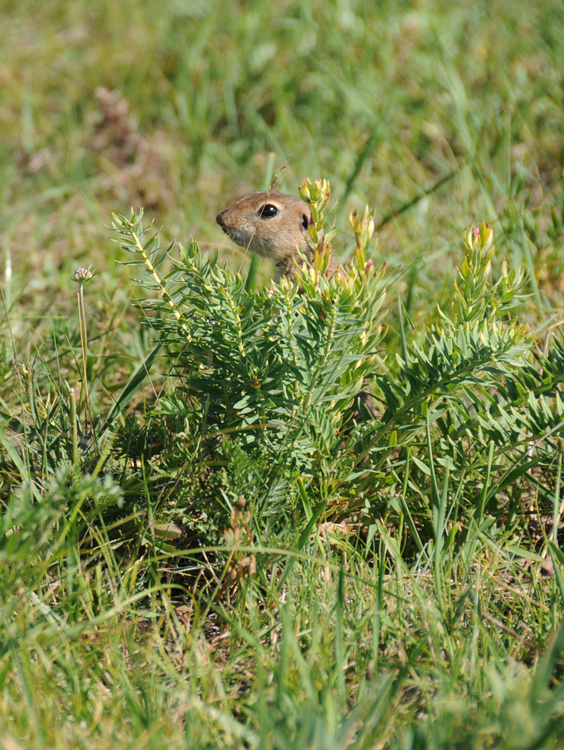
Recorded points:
306,221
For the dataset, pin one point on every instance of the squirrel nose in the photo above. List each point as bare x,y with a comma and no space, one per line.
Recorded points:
219,219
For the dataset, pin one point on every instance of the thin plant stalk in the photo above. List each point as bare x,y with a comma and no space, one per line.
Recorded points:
82,275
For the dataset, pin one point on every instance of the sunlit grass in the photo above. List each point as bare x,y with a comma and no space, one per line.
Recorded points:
116,628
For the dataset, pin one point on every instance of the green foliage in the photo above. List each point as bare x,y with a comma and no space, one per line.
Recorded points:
260,451
356,552
277,372
273,369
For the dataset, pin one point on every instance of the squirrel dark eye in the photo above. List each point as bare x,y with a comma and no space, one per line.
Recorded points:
305,222
268,211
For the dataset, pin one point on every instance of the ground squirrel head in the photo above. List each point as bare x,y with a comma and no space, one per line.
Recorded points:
274,225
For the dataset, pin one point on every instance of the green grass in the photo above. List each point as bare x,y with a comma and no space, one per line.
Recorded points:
396,583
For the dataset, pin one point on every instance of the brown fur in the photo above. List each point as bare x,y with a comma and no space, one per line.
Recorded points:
277,236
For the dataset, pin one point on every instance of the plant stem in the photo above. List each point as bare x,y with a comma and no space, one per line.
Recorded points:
84,348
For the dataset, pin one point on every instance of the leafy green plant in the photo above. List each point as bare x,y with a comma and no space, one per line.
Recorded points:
277,371
468,409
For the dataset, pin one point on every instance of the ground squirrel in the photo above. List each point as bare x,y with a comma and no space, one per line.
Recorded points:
273,225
